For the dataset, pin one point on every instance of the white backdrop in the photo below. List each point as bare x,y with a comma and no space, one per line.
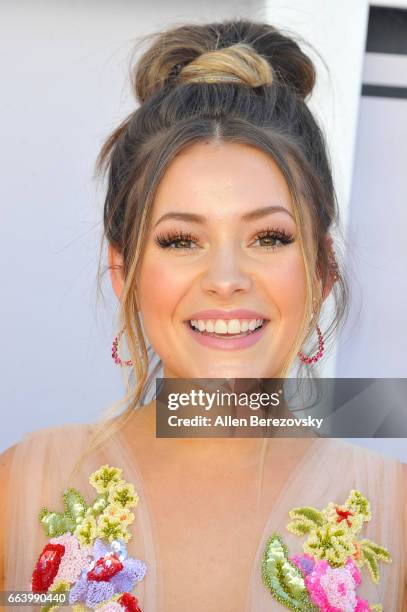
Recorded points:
64,70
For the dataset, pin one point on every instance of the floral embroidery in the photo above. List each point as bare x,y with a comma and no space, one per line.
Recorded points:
129,602
74,560
47,567
86,557
335,588
325,577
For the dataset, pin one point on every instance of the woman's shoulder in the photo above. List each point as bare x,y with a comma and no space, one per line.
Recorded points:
54,432
45,436
341,447
6,459
40,447
336,466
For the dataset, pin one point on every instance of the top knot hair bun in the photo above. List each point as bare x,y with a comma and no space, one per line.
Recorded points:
239,64
238,52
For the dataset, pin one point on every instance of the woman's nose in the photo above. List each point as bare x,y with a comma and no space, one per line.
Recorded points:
225,275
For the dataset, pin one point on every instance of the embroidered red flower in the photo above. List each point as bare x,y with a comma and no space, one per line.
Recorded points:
106,567
47,567
129,602
343,515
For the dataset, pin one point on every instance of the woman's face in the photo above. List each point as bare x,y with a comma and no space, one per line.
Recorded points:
221,285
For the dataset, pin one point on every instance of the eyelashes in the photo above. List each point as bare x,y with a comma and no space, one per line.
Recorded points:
168,240
181,241
273,234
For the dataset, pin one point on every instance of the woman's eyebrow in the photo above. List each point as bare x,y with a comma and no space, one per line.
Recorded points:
253,214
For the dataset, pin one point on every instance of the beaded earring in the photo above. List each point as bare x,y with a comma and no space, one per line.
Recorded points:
314,358
115,355
334,271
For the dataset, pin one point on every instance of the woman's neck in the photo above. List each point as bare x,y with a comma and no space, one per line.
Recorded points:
245,451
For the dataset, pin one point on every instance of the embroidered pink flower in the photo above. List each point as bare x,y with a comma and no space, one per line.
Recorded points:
334,589
74,560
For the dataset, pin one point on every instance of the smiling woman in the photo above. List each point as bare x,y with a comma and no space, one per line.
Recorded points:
231,172
218,216
237,252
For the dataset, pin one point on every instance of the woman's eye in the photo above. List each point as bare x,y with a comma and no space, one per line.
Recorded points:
178,241
274,239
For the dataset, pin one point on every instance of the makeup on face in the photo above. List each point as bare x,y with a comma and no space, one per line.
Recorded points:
222,281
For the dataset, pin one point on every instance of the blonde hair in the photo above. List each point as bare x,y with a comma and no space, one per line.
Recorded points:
239,64
233,81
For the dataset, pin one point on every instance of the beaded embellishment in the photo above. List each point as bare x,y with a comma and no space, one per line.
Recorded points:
325,577
86,557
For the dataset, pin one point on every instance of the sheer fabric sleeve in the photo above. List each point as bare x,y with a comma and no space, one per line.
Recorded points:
43,467
329,470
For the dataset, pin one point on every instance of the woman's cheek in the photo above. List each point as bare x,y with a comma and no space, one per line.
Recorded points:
161,287
289,290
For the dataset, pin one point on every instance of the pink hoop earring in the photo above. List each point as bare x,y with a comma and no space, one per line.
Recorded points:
306,359
115,355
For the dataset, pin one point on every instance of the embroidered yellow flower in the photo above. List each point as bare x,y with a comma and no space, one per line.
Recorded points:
86,532
105,478
124,495
330,542
112,529
115,511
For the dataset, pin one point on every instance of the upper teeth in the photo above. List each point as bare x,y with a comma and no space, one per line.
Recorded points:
223,326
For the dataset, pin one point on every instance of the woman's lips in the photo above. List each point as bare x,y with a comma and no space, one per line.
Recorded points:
238,313
227,343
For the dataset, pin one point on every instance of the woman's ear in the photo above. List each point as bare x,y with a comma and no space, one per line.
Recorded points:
116,268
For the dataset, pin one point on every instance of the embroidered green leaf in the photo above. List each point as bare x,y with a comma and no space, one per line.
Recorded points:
299,528
379,551
310,514
74,505
376,608
55,523
371,555
98,505
305,520
370,559
282,577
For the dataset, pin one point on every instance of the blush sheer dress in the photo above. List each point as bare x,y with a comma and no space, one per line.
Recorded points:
43,465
